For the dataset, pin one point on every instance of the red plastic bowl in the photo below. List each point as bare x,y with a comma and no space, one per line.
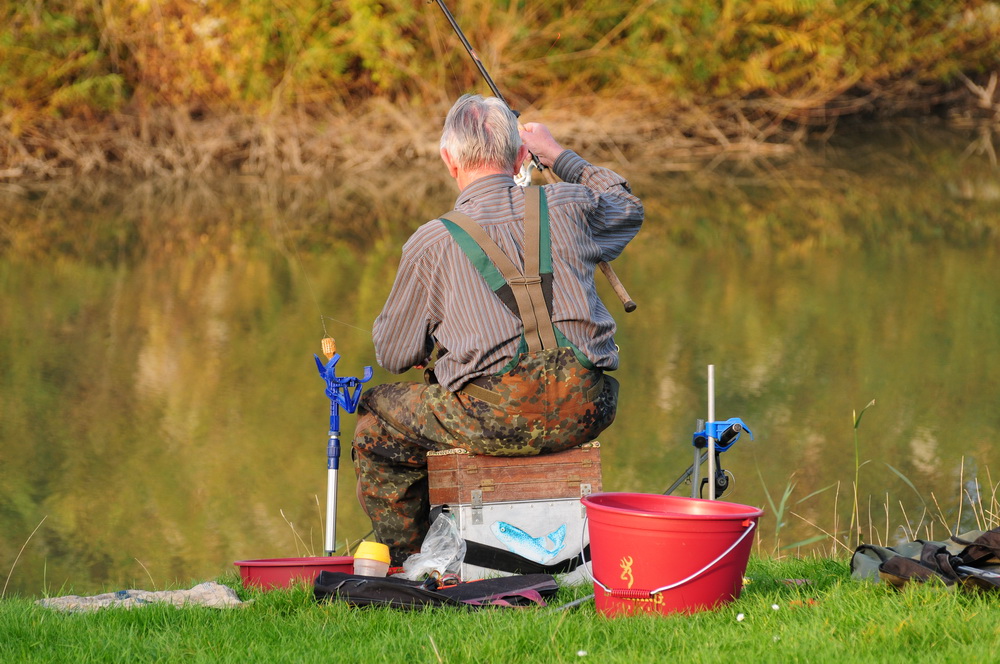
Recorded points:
283,572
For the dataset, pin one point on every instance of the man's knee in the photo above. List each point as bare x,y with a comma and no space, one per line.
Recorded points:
361,498
366,428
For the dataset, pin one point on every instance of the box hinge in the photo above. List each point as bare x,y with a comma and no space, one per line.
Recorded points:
477,506
585,490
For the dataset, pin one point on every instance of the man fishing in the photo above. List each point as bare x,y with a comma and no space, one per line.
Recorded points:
503,288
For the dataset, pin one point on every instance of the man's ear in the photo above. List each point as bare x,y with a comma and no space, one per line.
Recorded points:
449,162
522,154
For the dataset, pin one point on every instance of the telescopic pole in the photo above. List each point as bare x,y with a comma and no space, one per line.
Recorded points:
343,392
711,438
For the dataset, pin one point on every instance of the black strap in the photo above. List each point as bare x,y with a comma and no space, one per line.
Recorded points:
490,557
404,594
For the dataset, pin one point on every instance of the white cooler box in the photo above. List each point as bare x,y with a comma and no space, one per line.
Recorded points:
517,514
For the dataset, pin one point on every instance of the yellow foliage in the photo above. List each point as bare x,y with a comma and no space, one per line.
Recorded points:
79,56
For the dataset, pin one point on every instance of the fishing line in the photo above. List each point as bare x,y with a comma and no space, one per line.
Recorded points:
297,259
323,318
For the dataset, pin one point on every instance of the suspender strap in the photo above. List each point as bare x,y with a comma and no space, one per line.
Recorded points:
500,271
532,222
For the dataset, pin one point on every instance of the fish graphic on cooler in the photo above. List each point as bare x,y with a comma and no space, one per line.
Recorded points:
537,549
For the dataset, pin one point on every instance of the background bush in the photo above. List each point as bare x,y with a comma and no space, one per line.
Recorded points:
63,58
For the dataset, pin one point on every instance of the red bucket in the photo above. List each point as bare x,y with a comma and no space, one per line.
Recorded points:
665,554
283,572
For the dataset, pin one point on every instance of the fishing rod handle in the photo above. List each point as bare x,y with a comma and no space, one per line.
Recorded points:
609,272
617,286
542,168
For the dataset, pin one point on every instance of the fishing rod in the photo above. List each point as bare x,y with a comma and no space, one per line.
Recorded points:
606,268
482,70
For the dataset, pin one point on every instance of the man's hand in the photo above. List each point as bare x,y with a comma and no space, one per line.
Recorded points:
537,138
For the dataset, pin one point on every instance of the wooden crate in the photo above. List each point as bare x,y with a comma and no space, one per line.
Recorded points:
526,506
456,477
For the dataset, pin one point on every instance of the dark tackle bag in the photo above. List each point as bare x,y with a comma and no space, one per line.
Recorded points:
969,560
356,590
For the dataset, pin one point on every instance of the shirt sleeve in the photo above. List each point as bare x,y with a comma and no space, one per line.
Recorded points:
402,331
615,214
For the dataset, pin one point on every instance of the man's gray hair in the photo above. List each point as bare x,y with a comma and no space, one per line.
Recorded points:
481,133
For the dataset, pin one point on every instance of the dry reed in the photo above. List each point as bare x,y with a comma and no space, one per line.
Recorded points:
379,135
985,515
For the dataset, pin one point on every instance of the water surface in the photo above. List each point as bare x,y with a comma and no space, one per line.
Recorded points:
161,415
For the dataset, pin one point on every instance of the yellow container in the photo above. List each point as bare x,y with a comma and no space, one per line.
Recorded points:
371,559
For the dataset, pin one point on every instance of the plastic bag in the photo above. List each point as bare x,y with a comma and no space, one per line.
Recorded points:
442,551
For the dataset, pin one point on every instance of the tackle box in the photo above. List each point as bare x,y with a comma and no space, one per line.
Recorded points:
527,506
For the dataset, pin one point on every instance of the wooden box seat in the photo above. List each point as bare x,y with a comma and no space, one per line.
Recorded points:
454,476
517,514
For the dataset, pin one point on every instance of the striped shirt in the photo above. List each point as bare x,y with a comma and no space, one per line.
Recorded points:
439,298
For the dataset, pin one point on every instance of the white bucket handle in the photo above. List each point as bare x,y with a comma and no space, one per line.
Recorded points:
752,524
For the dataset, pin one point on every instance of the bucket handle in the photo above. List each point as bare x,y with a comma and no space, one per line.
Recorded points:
630,593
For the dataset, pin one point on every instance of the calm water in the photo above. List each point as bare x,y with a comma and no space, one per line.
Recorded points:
161,415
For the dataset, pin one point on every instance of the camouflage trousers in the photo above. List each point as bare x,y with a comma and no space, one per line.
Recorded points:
547,403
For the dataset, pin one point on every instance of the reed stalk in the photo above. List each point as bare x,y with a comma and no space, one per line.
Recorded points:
855,524
3,593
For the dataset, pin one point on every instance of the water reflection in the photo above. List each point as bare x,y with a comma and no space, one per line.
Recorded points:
162,413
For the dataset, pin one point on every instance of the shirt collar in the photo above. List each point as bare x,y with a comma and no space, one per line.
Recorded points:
485,185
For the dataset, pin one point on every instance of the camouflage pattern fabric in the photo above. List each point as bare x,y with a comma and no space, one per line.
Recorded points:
547,403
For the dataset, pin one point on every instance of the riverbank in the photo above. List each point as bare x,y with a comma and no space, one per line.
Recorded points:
869,184
790,611
380,136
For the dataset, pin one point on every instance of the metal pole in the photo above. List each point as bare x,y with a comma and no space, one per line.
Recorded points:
696,466
339,392
711,440
332,468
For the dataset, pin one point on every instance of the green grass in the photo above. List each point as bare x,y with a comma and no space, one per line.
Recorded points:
832,618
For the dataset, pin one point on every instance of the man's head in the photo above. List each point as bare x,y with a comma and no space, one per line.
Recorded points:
480,135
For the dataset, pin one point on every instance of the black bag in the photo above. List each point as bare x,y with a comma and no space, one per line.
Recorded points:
972,560
357,590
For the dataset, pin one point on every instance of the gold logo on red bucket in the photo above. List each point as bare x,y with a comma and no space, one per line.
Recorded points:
626,565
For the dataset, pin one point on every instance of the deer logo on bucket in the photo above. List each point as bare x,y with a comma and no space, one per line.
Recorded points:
626,565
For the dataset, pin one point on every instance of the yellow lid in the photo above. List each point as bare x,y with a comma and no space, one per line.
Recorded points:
373,551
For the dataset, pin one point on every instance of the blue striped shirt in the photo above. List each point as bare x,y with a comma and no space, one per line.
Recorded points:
439,297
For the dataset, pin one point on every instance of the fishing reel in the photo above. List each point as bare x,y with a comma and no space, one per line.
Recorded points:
730,432
523,177
725,433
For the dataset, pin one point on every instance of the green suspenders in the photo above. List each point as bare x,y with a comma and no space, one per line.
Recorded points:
527,295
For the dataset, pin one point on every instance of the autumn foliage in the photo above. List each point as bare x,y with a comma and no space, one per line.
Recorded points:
804,61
